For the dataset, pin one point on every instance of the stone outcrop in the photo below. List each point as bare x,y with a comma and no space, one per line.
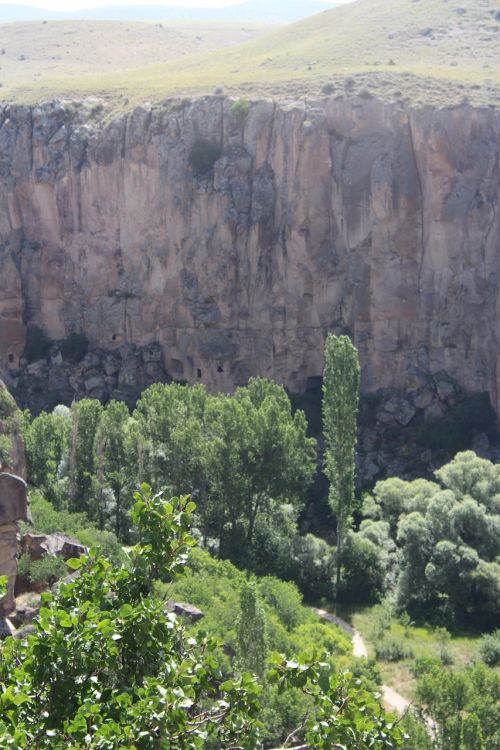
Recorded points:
13,508
189,611
228,248
53,545
13,493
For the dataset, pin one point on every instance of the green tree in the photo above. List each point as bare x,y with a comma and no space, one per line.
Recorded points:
170,420
243,456
340,407
46,440
465,705
448,540
472,736
252,631
83,494
117,462
107,667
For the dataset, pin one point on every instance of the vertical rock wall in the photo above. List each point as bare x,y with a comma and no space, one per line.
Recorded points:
347,215
13,493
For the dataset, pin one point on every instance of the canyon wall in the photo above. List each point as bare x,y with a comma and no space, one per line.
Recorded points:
208,244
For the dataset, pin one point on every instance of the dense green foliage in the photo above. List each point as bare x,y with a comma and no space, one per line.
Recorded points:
440,542
5,449
340,407
10,423
252,630
464,704
490,648
43,572
246,459
46,442
109,668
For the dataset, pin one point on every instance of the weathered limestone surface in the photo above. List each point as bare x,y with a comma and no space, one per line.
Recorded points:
344,215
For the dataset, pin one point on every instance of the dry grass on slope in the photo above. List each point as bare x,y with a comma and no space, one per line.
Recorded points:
427,51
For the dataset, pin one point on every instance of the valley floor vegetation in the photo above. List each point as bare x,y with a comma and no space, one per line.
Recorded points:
418,575
109,667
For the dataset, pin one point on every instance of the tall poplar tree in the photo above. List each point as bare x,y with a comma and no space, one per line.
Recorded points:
340,407
252,630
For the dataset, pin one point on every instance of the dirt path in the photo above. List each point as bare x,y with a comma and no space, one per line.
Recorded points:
393,700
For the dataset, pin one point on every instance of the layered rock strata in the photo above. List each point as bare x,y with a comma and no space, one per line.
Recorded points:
232,244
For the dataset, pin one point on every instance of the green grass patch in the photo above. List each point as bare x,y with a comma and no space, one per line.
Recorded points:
421,641
391,48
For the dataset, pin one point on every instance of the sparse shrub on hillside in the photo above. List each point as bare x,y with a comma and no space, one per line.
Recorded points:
489,648
43,572
391,648
240,109
203,155
5,449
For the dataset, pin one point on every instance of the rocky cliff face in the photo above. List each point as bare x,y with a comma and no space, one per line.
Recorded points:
13,495
209,244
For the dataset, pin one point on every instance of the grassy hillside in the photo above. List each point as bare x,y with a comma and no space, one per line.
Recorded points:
33,52
433,51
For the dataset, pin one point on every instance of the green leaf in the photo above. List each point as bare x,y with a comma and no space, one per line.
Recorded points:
75,562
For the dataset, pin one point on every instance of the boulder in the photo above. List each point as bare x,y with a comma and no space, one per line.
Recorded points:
397,409
23,632
6,628
55,545
13,499
185,610
25,615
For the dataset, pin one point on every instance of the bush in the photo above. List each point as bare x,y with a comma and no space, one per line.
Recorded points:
424,665
203,156
320,636
391,648
489,649
7,404
240,109
363,574
5,449
285,599
45,571
75,347
315,561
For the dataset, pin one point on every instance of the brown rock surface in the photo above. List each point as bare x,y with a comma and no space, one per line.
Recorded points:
13,508
54,545
345,215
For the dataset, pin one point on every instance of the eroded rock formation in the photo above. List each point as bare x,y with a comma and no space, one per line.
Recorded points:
13,494
13,508
345,215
